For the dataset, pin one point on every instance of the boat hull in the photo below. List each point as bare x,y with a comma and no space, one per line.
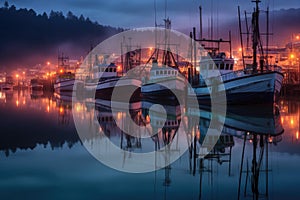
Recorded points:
163,89
260,88
64,86
7,87
104,89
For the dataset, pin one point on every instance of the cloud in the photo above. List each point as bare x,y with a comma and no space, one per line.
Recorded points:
137,13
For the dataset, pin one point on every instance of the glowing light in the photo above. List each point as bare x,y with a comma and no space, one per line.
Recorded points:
48,108
78,107
61,71
292,56
119,115
270,140
147,118
240,49
48,63
17,103
292,121
61,110
151,48
282,120
119,68
17,75
2,95
24,102
297,135
297,37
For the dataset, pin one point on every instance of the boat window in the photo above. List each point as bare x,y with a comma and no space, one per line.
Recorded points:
221,66
210,66
160,72
227,66
231,67
172,72
169,72
115,70
165,72
157,72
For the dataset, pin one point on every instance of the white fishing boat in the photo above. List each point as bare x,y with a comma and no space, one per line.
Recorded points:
240,86
164,79
247,86
110,78
64,82
163,82
65,78
104,77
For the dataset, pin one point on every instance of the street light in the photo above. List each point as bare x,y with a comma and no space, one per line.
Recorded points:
17,76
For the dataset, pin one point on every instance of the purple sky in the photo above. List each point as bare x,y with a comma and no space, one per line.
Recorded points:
140,13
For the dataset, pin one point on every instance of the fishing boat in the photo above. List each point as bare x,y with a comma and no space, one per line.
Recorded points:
6,86
110,78
65,78
106,76
247,86
163,82
8,83
64,82
165,78
36,84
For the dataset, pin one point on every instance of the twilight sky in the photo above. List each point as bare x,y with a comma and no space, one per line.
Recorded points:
140,13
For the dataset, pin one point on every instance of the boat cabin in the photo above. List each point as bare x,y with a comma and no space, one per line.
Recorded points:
211,64
162,71
104,71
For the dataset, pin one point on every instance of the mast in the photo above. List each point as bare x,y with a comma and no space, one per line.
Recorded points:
255,36
241,37
267,50
200,18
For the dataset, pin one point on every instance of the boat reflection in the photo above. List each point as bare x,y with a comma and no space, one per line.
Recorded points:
64,105
257,130
119,123
248,136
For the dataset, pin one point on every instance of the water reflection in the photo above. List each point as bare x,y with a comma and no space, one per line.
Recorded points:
28,114
241,164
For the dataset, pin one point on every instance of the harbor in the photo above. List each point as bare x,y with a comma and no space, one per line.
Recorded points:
205,111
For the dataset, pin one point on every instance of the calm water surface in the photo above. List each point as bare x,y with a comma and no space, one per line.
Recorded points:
42,157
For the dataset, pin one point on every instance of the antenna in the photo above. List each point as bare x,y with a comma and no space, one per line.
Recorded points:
155,22
165,9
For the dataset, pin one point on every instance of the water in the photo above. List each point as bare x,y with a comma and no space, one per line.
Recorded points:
42,157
